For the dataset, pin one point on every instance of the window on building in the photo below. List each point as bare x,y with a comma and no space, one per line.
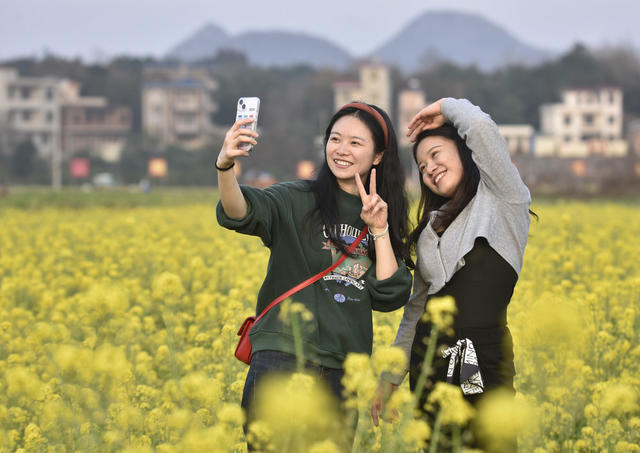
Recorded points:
567,120
612,97
612,119
25,93
49,94
567,138
44,138
49,117
26,115
588,119
612,137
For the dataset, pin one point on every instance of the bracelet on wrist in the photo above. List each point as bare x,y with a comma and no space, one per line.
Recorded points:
379,235
225,168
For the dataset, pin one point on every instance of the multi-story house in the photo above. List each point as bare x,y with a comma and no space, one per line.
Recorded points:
410,101
519,137
588,121
177,105
30,110
373,87
90,124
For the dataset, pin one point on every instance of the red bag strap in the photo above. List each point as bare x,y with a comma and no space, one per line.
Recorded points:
316,277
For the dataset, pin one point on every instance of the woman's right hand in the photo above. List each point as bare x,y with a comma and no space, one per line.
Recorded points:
236,136
381,396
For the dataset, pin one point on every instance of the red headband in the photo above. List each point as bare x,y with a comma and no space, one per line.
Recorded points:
373,112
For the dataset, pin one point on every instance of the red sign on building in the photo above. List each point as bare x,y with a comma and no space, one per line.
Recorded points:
79,168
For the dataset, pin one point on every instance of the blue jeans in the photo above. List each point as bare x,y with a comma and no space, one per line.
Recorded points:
264,363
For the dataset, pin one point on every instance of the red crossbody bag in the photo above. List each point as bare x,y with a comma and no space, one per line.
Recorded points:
243,350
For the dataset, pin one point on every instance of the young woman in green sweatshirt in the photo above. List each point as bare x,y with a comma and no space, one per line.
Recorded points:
307,225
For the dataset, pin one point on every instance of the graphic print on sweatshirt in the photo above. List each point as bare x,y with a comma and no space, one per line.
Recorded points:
350,272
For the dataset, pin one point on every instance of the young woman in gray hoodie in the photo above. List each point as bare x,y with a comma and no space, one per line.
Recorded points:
473,225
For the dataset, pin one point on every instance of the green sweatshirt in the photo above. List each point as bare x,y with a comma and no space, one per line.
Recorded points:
341,302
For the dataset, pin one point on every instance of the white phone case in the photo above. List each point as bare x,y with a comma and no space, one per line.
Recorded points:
248,108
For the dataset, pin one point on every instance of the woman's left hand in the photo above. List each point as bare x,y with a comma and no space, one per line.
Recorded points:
429,117
374,208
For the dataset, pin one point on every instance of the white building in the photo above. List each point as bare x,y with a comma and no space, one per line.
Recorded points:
519,137
587,121
91,124
373,87
410,101
30,110
177,107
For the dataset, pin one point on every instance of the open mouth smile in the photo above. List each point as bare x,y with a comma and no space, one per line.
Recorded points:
438,177
342,163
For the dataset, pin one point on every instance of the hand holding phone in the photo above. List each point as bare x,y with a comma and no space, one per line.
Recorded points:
248,108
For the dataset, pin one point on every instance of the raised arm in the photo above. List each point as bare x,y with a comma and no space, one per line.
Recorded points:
233,201
480,132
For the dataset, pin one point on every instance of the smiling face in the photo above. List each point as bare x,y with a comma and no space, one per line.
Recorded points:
350,150
439,165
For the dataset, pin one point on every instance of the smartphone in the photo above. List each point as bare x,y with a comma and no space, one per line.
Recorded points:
248,108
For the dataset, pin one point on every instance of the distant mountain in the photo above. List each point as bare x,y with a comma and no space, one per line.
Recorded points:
459,38
433,37
284,48
267,48
203,43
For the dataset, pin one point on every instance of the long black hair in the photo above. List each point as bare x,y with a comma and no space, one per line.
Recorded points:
430,201
390,181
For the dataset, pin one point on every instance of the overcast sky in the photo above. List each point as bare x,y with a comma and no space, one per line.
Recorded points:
103,28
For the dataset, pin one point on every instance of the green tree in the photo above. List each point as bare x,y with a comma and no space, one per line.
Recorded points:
23,160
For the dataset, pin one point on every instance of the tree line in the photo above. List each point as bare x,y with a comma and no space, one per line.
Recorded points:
297,103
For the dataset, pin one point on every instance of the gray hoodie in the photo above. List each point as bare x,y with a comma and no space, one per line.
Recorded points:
498,212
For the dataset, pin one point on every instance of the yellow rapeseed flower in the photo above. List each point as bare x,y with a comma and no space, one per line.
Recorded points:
389,359
299,411
619,399
501,417
449,399
416,433
441,311
168,287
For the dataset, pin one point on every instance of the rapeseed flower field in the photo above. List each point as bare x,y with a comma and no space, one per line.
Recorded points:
118,325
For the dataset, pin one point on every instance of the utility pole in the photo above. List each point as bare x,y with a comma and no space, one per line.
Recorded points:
56,161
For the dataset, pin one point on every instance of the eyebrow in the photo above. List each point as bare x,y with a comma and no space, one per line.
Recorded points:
429,152
353,136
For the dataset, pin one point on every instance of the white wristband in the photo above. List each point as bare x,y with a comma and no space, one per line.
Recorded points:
379,235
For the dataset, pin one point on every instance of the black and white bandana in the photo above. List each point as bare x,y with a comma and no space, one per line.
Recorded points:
463,355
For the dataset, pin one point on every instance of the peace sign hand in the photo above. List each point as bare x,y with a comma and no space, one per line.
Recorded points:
374,208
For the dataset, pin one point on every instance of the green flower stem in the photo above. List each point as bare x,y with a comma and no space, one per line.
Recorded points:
297,341
426,365
456,440
436,432
168,323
